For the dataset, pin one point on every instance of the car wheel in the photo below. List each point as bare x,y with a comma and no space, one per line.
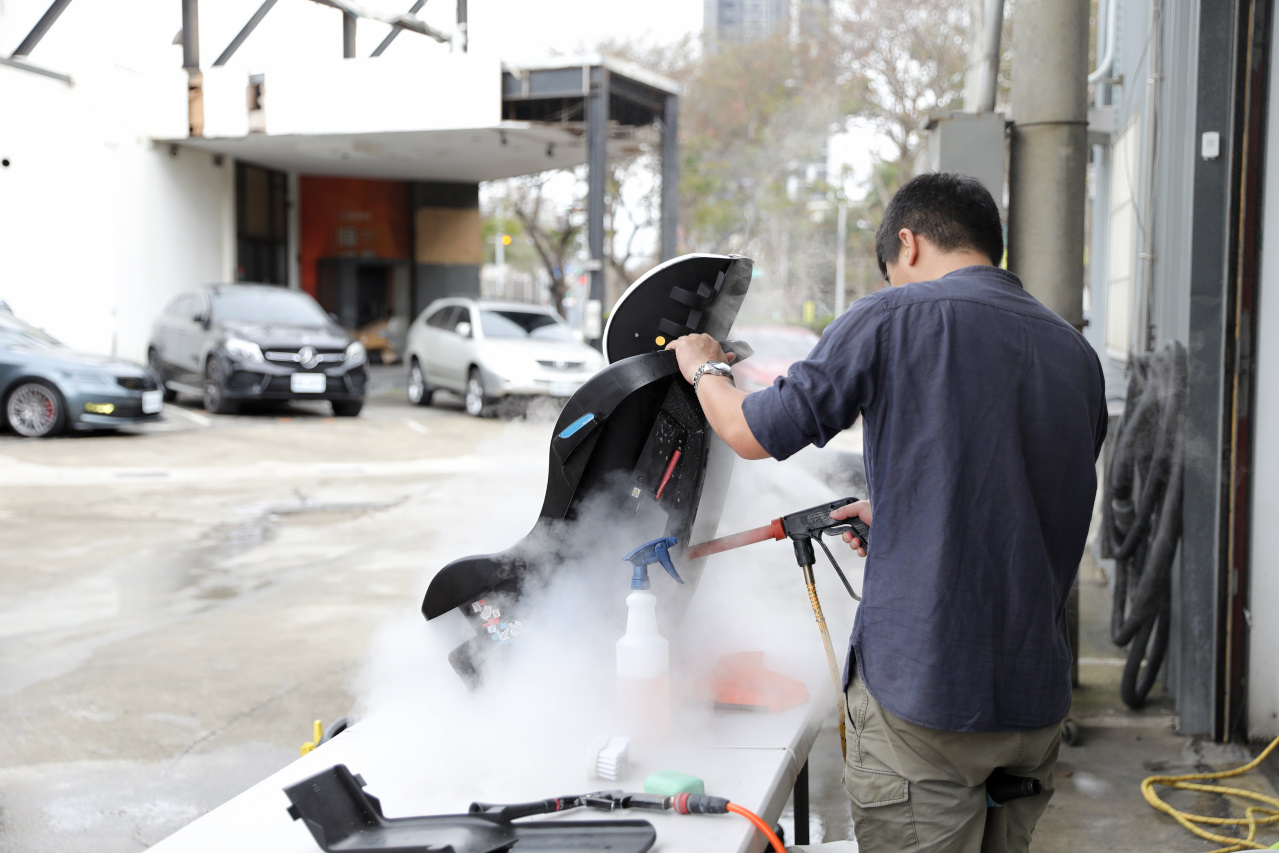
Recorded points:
157,367
419,393
347,408
215,401
476,400
36,409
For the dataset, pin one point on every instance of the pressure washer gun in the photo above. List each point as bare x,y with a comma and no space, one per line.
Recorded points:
802,528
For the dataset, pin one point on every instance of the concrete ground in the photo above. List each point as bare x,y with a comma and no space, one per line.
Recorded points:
179,603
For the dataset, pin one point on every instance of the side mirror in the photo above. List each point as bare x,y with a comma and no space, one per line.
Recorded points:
201,319
463,329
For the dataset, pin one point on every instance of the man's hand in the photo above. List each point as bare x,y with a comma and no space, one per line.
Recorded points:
860,509
692,351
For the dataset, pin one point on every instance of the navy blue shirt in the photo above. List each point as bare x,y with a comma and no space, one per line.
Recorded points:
983,413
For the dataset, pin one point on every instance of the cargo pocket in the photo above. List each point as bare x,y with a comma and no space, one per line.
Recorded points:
883,820
874,788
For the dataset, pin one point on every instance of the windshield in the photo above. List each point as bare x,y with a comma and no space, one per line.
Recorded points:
267,306
524,324
14,332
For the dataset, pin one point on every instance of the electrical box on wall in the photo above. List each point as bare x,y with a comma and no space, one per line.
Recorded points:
970,144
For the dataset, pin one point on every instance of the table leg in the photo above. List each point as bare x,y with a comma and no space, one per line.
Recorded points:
801,805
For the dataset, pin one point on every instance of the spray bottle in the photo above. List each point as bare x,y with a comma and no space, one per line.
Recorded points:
643,655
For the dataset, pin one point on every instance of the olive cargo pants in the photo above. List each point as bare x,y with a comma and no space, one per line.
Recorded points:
920,789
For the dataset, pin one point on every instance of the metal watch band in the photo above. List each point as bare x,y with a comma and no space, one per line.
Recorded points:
717,368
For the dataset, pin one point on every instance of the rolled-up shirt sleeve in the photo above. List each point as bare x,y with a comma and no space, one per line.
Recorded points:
823,394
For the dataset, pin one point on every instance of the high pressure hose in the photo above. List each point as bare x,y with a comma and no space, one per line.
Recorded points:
836,681
1142,513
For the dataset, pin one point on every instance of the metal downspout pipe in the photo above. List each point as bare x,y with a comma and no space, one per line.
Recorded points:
1049,153
988,71
1143,340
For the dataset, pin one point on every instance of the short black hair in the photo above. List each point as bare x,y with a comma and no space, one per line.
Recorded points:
950,210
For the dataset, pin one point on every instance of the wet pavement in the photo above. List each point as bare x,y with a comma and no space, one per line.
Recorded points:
179,604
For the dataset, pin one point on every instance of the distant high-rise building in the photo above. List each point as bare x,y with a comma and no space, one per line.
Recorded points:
744,21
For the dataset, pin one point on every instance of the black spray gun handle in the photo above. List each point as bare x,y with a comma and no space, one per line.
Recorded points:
815,522
603,800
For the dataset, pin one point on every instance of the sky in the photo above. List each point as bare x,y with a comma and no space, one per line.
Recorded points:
517,28
513,29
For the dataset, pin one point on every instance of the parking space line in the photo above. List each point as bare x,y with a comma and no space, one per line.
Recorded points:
199,419
417,427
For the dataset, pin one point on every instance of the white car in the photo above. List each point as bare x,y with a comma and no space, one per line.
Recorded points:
486,351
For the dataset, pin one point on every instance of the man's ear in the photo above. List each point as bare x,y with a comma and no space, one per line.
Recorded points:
909,252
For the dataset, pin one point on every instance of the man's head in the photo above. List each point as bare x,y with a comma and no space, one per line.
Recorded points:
937,220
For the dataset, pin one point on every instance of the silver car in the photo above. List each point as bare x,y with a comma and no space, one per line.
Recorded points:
487,351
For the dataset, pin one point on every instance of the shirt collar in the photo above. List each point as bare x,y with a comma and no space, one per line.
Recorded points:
985,271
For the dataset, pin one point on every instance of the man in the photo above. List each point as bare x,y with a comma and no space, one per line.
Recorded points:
983,413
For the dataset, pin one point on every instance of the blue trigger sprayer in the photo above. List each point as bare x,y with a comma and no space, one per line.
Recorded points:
657,551
643,655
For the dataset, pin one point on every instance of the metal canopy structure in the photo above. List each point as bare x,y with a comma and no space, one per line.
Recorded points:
555,115
28,44
600,92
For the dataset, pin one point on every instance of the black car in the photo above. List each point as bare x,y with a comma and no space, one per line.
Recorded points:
231,343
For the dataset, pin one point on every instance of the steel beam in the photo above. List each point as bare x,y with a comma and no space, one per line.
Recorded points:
597,174
244,33
191,34
395,30
42,26
407,22
35,69
1198,589
670,178
348,35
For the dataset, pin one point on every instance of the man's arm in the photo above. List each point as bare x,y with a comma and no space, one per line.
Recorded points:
721,400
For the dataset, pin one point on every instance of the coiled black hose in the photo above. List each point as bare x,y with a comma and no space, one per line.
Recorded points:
1142,514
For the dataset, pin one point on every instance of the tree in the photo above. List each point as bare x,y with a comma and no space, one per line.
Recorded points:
551,225
901,60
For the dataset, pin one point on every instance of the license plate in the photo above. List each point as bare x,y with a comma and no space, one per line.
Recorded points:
564,389
152,402
308,383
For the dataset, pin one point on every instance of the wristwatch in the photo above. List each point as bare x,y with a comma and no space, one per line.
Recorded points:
717,368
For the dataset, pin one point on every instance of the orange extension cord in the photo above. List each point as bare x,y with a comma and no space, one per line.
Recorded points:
760,825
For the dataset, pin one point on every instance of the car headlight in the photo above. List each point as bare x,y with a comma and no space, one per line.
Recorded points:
242,350
355,353
87,379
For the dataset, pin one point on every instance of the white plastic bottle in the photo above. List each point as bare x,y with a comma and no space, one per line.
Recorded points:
643,667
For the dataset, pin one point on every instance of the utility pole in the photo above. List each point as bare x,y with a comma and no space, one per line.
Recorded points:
1049,153
500,240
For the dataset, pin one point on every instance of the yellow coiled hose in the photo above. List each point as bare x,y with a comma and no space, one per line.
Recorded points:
1191,821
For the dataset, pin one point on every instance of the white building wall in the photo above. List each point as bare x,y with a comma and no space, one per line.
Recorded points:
1263,662
99,225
